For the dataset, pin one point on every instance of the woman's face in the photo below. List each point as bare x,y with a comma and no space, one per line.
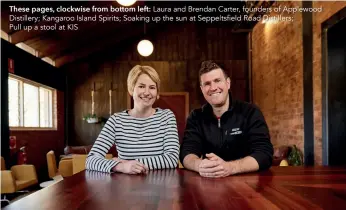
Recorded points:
144,92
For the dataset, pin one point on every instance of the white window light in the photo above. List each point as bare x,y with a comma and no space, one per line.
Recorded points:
31,105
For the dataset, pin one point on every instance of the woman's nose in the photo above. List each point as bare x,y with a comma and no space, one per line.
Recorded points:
146,91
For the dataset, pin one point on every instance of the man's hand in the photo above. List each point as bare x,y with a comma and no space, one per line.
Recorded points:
215,167
131,167
207,167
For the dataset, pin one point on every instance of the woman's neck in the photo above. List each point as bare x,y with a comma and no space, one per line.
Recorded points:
141,112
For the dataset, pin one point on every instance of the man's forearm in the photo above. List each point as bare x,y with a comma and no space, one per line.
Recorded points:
192,162
246,164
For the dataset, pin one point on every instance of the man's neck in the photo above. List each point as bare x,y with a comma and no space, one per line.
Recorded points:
218,111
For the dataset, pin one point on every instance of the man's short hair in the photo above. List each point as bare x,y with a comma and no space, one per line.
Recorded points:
208,66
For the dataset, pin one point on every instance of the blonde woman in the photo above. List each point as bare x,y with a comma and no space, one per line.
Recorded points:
146,138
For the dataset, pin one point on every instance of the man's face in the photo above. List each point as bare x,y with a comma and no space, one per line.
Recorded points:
215,87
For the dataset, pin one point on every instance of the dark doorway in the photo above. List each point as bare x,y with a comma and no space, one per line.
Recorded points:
334,121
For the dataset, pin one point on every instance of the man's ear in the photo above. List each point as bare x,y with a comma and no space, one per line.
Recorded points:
228,80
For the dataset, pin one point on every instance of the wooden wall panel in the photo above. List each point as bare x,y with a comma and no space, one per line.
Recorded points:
178,53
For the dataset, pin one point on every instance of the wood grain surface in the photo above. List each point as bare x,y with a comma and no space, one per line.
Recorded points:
277,188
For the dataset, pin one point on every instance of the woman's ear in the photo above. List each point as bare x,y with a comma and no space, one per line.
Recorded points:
157,97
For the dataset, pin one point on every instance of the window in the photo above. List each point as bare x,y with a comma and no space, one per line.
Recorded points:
30,104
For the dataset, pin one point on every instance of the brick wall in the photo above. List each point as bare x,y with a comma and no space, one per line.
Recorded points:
277,77
329,8
277,72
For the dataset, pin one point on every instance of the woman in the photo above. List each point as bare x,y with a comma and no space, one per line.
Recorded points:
146,138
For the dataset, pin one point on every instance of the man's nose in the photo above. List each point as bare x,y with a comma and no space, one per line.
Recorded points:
213,86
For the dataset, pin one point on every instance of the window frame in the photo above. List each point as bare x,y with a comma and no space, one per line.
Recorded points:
21,105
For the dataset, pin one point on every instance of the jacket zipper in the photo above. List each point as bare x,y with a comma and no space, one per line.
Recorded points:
220,131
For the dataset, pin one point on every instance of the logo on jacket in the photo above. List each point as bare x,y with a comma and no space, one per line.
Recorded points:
236,131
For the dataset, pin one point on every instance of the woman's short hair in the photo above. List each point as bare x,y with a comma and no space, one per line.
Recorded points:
139,70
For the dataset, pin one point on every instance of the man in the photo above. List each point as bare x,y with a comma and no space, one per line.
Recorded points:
231,136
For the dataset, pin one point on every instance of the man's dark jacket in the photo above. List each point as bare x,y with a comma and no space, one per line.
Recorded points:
241,131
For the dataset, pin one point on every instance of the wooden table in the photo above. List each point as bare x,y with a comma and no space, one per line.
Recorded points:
278,188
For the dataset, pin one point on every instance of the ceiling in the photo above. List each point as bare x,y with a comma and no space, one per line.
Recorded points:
66,46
